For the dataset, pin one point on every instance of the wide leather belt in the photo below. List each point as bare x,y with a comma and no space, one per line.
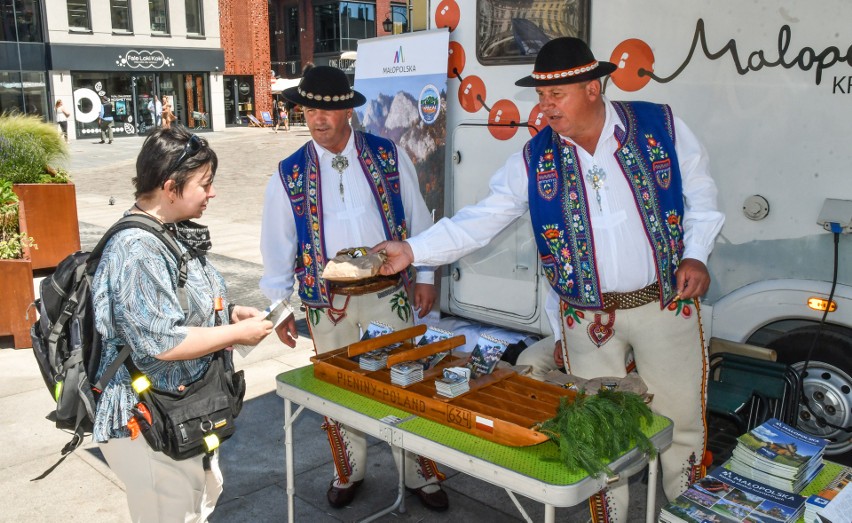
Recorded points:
379,283
631,300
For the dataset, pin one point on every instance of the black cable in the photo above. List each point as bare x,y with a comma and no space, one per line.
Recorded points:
820,328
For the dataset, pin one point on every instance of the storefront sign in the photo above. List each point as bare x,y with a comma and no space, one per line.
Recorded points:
143,59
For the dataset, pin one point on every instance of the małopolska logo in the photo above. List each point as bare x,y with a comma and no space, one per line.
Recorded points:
398,59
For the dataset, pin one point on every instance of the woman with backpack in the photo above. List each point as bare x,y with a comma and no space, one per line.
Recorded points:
136,304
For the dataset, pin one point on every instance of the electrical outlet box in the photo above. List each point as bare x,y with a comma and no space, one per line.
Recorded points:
836,216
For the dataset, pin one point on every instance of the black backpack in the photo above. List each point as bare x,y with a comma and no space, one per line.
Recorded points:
66,344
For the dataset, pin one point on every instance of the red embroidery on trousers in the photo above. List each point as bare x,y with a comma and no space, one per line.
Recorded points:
339,452
600,332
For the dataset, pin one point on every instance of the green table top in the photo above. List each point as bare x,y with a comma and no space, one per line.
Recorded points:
538,461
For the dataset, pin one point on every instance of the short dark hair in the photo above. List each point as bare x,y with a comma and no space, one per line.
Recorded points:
159,153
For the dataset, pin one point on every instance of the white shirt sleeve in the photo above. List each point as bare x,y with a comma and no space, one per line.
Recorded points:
702,220
418,215
475,225
278,242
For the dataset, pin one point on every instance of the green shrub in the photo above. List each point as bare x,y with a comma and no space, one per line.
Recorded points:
12,241
29,150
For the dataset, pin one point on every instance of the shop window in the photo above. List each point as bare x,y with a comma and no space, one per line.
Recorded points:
120,13
24,92
159,11
79,18
194,18
21,21
512,31
338,26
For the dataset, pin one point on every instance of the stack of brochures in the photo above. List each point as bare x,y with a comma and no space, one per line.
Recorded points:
432,335
778,455
406,373
485,355
725,496
819,503
455,381
376,359
373,360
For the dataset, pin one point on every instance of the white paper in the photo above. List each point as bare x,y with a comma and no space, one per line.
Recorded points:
277,312
838,510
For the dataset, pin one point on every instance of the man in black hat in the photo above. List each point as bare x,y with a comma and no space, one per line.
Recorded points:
624,215
345,189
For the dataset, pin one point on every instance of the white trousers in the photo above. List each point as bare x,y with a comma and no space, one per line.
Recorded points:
160,489
342,325
670,357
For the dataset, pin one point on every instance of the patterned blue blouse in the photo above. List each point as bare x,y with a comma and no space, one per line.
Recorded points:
136,303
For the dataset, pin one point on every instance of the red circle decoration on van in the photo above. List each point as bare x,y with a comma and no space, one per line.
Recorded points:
455,60
447,15
503,113
472,93
537,120
630,56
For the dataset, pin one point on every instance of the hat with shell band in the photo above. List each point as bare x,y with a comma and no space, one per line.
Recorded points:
565,60
324,87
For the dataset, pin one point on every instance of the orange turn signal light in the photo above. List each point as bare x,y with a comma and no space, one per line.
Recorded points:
821,304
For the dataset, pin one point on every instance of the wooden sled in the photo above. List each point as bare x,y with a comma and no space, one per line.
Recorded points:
502,407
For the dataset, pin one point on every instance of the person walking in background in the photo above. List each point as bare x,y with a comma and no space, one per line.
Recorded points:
136,304
155,107
105,120
624,217
168,115
340,190
283,117
61,115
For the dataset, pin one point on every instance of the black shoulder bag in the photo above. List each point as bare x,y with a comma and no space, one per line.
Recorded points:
195,420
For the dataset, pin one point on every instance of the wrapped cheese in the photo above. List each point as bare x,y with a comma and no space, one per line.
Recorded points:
351,265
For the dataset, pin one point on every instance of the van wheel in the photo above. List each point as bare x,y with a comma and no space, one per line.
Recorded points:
826,384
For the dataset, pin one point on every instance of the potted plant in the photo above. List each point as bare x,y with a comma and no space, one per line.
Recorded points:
29,152
16,273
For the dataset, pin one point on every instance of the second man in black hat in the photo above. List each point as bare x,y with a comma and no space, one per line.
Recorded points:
345,189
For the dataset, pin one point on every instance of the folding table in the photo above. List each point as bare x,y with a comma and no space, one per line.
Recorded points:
533,472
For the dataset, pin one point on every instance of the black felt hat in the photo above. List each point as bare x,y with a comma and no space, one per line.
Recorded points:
565,60
324,87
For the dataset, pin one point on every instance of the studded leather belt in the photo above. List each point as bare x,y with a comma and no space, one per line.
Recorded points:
370,286
631,300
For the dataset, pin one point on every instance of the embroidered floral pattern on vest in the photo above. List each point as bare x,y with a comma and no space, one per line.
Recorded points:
380,169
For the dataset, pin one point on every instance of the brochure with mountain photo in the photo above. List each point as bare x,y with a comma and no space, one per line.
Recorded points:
485,355
725,496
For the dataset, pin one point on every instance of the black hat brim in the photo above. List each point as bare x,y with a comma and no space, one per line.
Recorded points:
603,69
292,95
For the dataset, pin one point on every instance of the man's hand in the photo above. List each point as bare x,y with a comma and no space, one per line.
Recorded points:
558,358
399,256
692,279
424,298
287,331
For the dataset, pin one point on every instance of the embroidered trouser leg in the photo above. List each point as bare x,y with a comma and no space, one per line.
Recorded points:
670,357
340,325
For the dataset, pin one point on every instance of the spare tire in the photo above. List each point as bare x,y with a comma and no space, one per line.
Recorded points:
826,384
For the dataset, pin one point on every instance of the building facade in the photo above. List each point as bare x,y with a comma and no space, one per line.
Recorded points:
135,54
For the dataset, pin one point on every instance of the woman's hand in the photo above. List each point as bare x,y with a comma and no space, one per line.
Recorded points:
243,312
253,329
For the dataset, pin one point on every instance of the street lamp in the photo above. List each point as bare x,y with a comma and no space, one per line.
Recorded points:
389,26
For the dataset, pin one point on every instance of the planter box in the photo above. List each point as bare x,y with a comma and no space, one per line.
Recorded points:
16,280
51,215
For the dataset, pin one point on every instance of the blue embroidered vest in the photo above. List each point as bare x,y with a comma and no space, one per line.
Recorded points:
300,175
559,202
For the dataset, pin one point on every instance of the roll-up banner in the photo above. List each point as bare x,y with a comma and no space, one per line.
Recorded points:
404,78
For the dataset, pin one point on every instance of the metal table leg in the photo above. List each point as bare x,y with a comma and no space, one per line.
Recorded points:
289,419
651,501
399,457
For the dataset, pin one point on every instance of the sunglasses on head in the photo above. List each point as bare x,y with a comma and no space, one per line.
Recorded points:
189,150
